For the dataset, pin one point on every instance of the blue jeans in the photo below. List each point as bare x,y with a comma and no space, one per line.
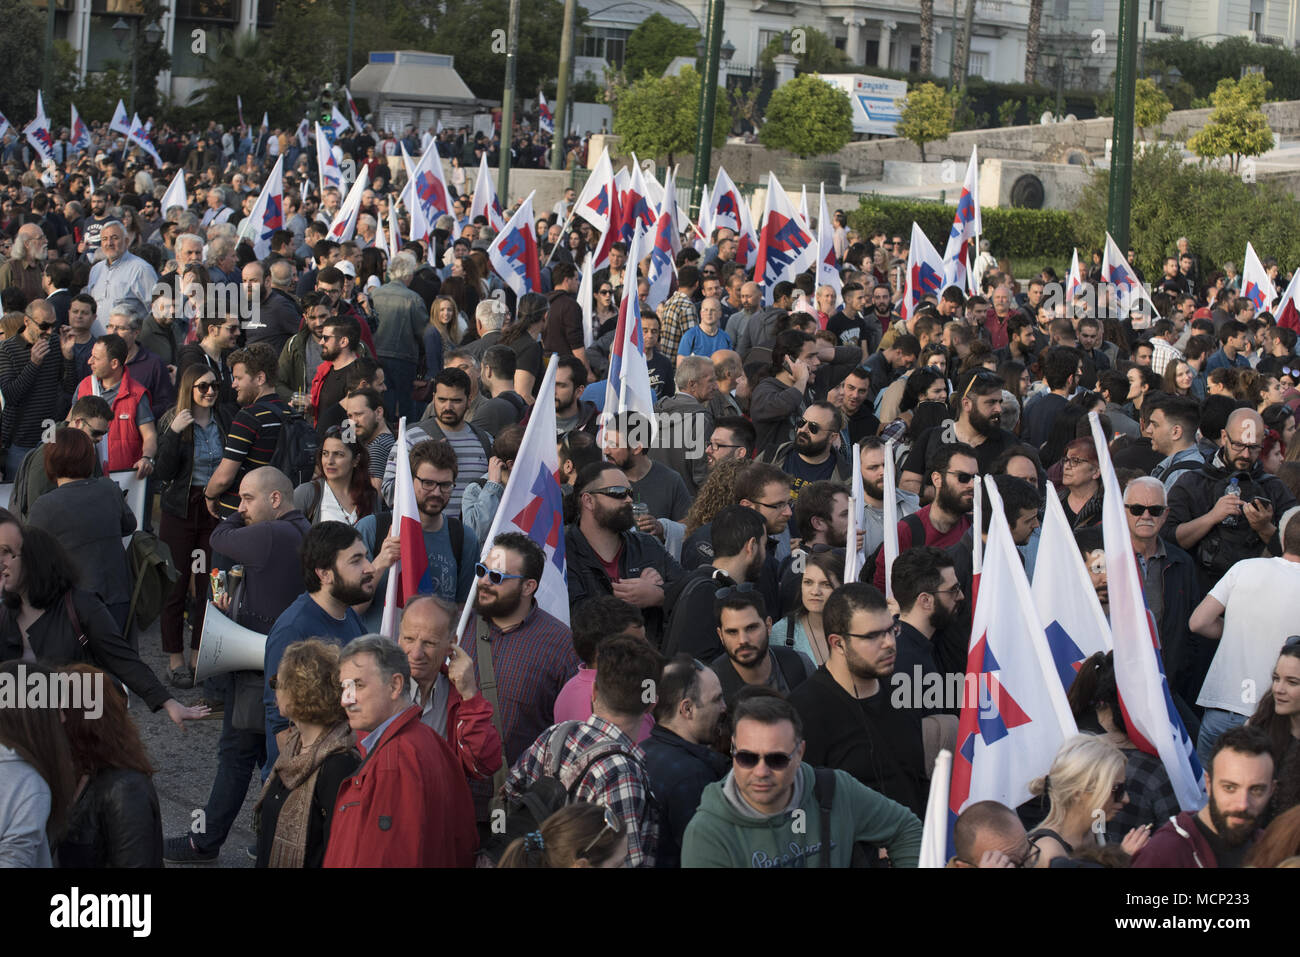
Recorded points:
239,754
400,376
14,460
1213,723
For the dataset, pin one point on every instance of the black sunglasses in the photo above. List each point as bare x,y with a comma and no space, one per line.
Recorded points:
813,427
206,386
1155,510
749,759
962,477
613,491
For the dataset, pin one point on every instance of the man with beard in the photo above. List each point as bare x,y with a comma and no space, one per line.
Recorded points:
92,225
733,438
853,327
847,706
978,427
605,555
1240,782
747,657
856,405
364,407
527,652
450,545
953,474
873,494
338,350
929,596
301,356
679,754
250,443
446,419
654,484
338,575
739,551
815,455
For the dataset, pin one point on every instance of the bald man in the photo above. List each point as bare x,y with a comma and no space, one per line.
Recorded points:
26,262
1228,509
443,685
37,374
989,834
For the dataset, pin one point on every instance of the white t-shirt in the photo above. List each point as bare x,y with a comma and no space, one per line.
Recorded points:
1259,615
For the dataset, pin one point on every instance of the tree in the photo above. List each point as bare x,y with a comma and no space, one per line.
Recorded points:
926,115
1237,127
1215,210
1007,112
22,45
817,53
1150,105
655,43
660,115
1032,40
808,117
744,108
467,30
927,37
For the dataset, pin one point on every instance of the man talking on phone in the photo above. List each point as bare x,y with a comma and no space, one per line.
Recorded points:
37,378
780,399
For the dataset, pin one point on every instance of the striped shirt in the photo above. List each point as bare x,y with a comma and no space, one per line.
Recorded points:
471,464
32,393
251,442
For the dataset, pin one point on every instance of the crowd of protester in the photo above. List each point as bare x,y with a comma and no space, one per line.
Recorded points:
712,575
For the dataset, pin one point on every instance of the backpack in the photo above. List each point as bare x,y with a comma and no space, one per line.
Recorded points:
295,447
864,854
455,531
913,522
549,793
1224,545
155,576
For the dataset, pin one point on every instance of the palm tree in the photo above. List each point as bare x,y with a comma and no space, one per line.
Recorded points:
927,35
1031,40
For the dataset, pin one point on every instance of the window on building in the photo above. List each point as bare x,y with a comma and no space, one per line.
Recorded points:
872,53
1256,22
607,44
914,59
979,64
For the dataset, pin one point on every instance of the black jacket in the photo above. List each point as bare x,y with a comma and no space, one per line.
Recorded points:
115,823
587,578
174,465
1178,645
55,642
883,750
679,771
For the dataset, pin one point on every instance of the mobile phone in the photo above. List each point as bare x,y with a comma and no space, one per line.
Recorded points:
1261,503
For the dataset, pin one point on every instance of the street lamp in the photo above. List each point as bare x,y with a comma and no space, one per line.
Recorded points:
124,33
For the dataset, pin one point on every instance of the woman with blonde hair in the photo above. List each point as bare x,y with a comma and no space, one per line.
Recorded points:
1086,789
444,316
297,802
578,835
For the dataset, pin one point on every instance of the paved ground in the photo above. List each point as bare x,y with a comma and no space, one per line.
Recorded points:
186,762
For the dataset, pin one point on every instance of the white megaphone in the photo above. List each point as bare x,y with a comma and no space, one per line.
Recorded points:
226,646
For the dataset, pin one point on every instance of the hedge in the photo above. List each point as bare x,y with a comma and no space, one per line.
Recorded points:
1018,233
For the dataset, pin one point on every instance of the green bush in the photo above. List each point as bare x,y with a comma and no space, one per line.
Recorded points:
1018,233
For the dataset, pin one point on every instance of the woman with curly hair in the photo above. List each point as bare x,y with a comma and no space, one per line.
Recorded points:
717,492
297,802
578,835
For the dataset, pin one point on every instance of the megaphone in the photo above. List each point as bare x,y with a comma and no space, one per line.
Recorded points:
225,646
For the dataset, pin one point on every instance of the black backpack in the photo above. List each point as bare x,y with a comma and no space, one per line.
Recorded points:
549,793
864,854
296,447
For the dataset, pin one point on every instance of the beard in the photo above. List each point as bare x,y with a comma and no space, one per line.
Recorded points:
1235,832
330,353
754,568
810,446
942,617
746,655
874,489
618,519
985,425
501,606
861,668
354,593
952,500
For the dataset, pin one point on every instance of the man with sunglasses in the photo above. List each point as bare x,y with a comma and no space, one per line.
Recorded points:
606,555
662,489
36,378
989,834
816,454
770,810
1227,509
92,416
953,473
1169,584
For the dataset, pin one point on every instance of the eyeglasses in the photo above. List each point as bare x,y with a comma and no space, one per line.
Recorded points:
776,761
605,292
954,590
962,477
612,824
812,427
723,445
1243,447
614,491
1137,510
779,506
893,631
491,574
1073,463
44,326
430,484
205,386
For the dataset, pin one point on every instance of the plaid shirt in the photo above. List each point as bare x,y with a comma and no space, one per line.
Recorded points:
614,782
676,315
1151,798
1162,353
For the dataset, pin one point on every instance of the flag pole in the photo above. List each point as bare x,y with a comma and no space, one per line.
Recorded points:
389,620
563,229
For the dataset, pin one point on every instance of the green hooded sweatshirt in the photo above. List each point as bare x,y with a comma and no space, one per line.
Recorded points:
723,835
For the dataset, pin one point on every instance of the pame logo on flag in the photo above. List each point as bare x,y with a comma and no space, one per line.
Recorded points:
543,517
965,214
925,280
426,187
515,248
1255,295
785,242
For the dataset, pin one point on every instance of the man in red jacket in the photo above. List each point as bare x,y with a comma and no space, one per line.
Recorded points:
408,804
444,689
1221,834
